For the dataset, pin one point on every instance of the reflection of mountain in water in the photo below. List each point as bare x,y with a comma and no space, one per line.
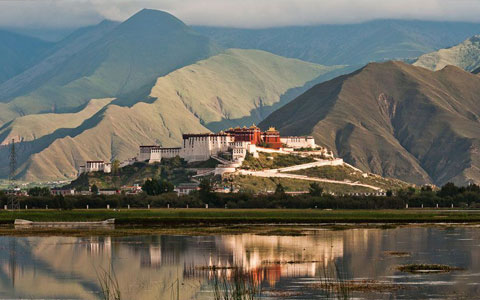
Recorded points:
148,267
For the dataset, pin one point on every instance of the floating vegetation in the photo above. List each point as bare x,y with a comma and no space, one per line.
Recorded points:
289,262
397,253
283,232
215,268
364,286
282,293
427,268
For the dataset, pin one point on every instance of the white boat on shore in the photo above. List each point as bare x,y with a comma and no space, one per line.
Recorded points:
27,223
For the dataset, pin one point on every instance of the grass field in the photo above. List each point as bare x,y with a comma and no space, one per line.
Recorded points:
263,184
179,217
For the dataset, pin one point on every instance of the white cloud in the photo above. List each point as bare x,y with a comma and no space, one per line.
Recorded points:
236,13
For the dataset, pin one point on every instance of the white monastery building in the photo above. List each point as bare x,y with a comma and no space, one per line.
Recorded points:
235,142
95,166
230,147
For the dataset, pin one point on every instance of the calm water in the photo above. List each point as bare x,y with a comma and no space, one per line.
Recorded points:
148,267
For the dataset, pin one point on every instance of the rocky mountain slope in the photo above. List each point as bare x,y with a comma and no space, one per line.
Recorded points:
234,87
465,55
396,120
352,44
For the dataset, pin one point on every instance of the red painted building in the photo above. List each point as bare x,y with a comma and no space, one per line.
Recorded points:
271,138
253,134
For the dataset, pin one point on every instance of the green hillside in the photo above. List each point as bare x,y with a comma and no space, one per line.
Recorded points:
124,62
213,93
31,127
18,53
465,55
62,51
396,120
351,44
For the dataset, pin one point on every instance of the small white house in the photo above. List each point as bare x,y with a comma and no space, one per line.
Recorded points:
186,188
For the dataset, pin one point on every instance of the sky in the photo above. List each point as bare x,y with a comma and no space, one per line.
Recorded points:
234,13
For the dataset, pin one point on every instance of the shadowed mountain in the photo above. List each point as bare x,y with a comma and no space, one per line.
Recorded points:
211,94
350,44
126,58
465,55
18,53
396,120
60,53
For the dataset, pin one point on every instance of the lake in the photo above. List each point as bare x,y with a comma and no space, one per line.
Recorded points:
283,267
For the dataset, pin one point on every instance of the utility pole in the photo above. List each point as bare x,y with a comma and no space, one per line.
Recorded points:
13,162
13,201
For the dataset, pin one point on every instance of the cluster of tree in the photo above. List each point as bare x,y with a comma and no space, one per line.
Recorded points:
154,187
449,194
39,191
158,193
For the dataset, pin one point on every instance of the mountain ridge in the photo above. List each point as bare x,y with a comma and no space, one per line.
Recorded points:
183,101
465,55
120,61
353,44
394,119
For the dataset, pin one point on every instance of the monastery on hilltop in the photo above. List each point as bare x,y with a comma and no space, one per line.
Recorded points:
233,144
228,147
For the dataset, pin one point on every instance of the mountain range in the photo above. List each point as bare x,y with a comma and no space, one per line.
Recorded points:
396,120
120,62
232,88
351,44
18,53
465,55
108,88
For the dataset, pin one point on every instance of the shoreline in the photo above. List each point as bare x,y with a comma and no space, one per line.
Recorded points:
230,221
214,216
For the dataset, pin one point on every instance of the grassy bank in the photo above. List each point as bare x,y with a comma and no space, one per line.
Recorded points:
179,217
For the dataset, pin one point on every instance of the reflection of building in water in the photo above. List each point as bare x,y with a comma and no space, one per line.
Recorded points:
272,257
152,257
99,245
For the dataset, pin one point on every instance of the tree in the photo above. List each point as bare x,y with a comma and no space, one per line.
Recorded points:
115,166
157,187
449,189
206,189
39,192
280,190
165,187
315,189
94,189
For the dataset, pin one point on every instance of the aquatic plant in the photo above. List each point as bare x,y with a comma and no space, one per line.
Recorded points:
108,282
237,285
334,283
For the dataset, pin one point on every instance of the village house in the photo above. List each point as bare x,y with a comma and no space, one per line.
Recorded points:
95,166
